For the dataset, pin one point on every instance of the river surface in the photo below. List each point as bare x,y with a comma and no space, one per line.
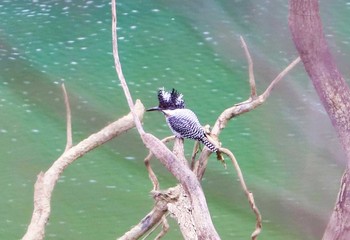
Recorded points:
287,149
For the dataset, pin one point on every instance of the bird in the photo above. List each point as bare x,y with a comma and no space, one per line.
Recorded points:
182,121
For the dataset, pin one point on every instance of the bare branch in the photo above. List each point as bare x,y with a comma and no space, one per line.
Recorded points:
165,227
179,152
252,84
149,221
248,194
181,210
199,209
46,182
248,105
204,225
69,143
147,162
177,202
236,110
119,71
194,154
151,174
267,92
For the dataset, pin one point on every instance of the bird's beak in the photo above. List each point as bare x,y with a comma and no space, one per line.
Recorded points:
153,109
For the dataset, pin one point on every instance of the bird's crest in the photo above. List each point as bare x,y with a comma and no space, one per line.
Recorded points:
170,100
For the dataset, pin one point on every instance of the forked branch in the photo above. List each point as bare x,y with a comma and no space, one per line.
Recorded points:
246,106
242,107
202,222
46,181
179,168
253,102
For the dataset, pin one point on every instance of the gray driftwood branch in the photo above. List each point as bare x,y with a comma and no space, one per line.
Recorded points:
46,181
199,167
202,223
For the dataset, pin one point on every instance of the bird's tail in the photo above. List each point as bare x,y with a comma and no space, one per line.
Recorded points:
209,145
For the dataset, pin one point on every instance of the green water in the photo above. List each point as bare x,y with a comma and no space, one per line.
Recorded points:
287,149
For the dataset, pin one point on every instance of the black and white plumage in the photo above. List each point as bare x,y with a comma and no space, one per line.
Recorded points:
170,100
182,121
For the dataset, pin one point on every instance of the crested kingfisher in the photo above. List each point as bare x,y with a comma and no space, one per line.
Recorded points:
182,121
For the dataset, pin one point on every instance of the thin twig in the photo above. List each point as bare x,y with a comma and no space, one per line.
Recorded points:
194,154
69,143
249,104
151,173
252,84
248,194
119,71
151,219
279,77
147,162
165,228
236,110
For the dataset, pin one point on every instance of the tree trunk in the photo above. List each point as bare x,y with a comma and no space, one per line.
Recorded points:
306,28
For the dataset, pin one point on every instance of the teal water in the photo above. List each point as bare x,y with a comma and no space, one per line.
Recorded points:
287,149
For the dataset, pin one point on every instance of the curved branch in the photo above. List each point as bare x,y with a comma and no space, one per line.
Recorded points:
69,143
150,220
203,223
248,193
239,109
147,162
46,182
249,105
252,84
274,82
246,106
